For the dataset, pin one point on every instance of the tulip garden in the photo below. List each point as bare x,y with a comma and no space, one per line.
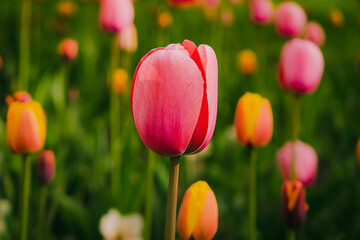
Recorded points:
179,119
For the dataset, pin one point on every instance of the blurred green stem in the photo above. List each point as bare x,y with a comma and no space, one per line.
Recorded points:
24,44
172,198
292,235
149,196
26,172
252,195
114,121
42,206
295,132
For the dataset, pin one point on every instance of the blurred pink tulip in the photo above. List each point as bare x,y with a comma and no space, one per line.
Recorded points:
261,11
290,19
315,33
301,66
306,161
128,40
174,98
116,15
68,49
183,3
46,167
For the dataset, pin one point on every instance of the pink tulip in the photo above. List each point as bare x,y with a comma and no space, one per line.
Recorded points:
128,39
301,66
174,98
115,15
261,11
68,49
315,33
305,161
290,19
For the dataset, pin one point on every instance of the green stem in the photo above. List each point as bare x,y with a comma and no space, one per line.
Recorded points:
295,132
26,172
149,196
292,235
172,198
24,44
252,195
42,206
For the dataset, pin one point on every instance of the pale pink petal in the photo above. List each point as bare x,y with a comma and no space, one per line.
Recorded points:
115,15
290,19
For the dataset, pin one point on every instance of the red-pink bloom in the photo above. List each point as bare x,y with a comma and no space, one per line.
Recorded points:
183,3
301,66
261,11
116,15
174,98
68,49
315,33
128,40
46,166
306,161
290,19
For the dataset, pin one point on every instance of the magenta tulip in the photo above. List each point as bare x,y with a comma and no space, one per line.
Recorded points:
115,15
315,33
301,66
290,19
306,161
261,11
174,98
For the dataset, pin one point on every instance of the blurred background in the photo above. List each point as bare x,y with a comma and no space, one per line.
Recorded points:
78,124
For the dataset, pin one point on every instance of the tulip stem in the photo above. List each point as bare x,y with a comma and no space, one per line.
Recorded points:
43,195
172,198
149,196
295,133
24,44
292,235
252,195
26,172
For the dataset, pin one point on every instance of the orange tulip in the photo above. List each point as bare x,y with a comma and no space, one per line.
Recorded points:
25,125
198,214
253,120
358,152
66,8
247,61
164,19
336,17
120,78
68,49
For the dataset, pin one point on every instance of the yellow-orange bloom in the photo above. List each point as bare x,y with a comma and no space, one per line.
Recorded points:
358,152
66,8
253,120
247,61
164,19
336,17
120,78
25,125
198,214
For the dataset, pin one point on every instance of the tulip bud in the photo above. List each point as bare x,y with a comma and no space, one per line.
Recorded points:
261,11
46,167
336,17
25,126
315,33
306,161
301,66
116,15
227,17
120,79
253,120
128,39
293,204
164,19
358,152
290,19
183,3
1,62
68,49
66,8
247,62
198,214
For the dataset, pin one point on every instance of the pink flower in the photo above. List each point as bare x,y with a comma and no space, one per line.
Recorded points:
315,33
46,167
115,15
128,39
301,66
261,11
174,98
68,49
305,161
290,19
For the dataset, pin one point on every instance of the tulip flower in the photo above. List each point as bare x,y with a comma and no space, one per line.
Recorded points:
336,17
25,125
290,19
46,167
128,39
1,62
305,161
68,49
164,19
198,214
301,66
116,15
66,8
358,152
174,98
247,61
293,204
261,11
315,33
227,17
183,3
120,79
253,120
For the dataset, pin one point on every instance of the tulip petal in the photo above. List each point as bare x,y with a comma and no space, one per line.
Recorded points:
165,104
187,216
264,126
